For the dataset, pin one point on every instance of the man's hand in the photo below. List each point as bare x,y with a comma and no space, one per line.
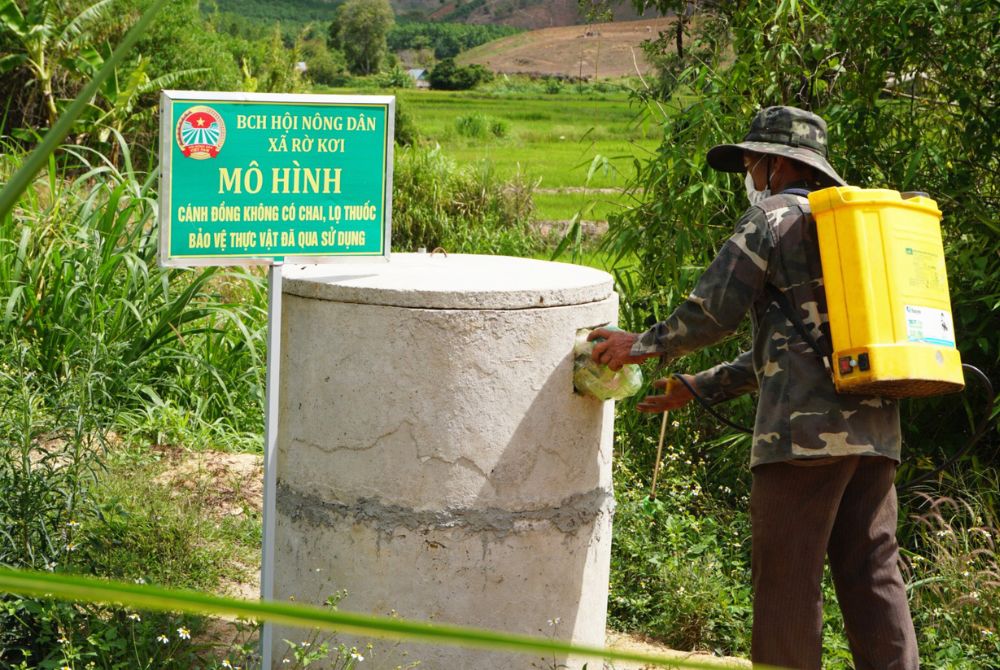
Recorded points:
614,350
675,395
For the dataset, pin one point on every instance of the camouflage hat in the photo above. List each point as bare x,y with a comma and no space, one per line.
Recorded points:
780,131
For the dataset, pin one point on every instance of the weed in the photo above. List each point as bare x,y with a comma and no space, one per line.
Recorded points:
954,582
480,126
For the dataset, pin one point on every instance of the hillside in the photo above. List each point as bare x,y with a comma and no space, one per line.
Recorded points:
597,51
527,14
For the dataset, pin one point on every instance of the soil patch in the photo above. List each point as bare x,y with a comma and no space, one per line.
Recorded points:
641,644
226,485
230,484
595,51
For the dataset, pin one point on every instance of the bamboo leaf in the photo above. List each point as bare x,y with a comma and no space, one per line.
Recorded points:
90,589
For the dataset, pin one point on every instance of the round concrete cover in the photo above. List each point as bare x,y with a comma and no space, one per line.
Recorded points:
455,281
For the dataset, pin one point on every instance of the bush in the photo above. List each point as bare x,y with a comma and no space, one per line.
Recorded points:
80,279
324,66
498,128
449,76
462,209
405,128
471,125
480,126
397,77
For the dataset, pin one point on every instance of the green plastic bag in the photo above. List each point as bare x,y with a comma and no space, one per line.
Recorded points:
598,380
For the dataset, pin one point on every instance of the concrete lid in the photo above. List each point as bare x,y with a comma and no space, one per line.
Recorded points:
455,281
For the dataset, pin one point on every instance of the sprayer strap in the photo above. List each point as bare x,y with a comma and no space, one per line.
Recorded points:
786,308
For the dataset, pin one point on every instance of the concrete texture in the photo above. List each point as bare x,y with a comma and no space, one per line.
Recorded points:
433,458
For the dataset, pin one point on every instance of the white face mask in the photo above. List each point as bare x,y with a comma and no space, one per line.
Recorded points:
753,195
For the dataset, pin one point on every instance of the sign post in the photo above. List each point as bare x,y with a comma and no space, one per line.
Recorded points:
268,179
270,452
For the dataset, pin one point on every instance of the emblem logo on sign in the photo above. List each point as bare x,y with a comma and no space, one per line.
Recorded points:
200,132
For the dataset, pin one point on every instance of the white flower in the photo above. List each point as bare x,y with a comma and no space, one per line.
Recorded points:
62,640
71,546
162,639
227,664
183,633
73,524
140,580
357,657
134,617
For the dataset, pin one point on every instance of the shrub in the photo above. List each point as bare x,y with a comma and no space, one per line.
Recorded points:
472,125
449,76
553,85
462,209
324,66
480,126
80,280
405,128
396,77
498,128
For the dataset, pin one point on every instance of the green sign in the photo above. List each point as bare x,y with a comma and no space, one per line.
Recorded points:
259,178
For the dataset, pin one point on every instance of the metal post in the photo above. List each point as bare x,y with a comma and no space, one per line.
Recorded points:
270,451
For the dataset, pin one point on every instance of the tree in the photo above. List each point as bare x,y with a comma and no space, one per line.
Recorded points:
359,31
909,91
47,41
449,76
323,65
447,46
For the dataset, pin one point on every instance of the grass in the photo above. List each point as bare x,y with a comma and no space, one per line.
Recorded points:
564,140
554,138
562,206
178,528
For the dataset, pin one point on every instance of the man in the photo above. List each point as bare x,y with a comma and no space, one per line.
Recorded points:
823,464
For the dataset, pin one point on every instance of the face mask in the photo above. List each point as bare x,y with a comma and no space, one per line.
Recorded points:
753,195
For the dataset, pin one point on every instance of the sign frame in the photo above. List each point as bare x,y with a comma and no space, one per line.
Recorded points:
167,121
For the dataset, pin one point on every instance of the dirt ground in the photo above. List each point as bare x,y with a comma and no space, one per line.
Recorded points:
638,643
596,51
234,482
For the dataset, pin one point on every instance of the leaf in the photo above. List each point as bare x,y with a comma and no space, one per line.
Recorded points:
12,19
12,62
91,589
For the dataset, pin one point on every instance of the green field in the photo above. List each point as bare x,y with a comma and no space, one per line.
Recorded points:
551,139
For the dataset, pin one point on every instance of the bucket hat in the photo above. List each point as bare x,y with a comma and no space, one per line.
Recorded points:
781,131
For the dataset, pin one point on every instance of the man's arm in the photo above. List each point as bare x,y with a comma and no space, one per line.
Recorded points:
723,295
727,380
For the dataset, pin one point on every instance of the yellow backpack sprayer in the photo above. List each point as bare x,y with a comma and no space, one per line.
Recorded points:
886,293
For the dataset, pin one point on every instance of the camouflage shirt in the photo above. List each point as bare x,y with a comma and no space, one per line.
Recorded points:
799,413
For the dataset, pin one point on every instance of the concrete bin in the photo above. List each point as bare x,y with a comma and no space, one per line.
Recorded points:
433,458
